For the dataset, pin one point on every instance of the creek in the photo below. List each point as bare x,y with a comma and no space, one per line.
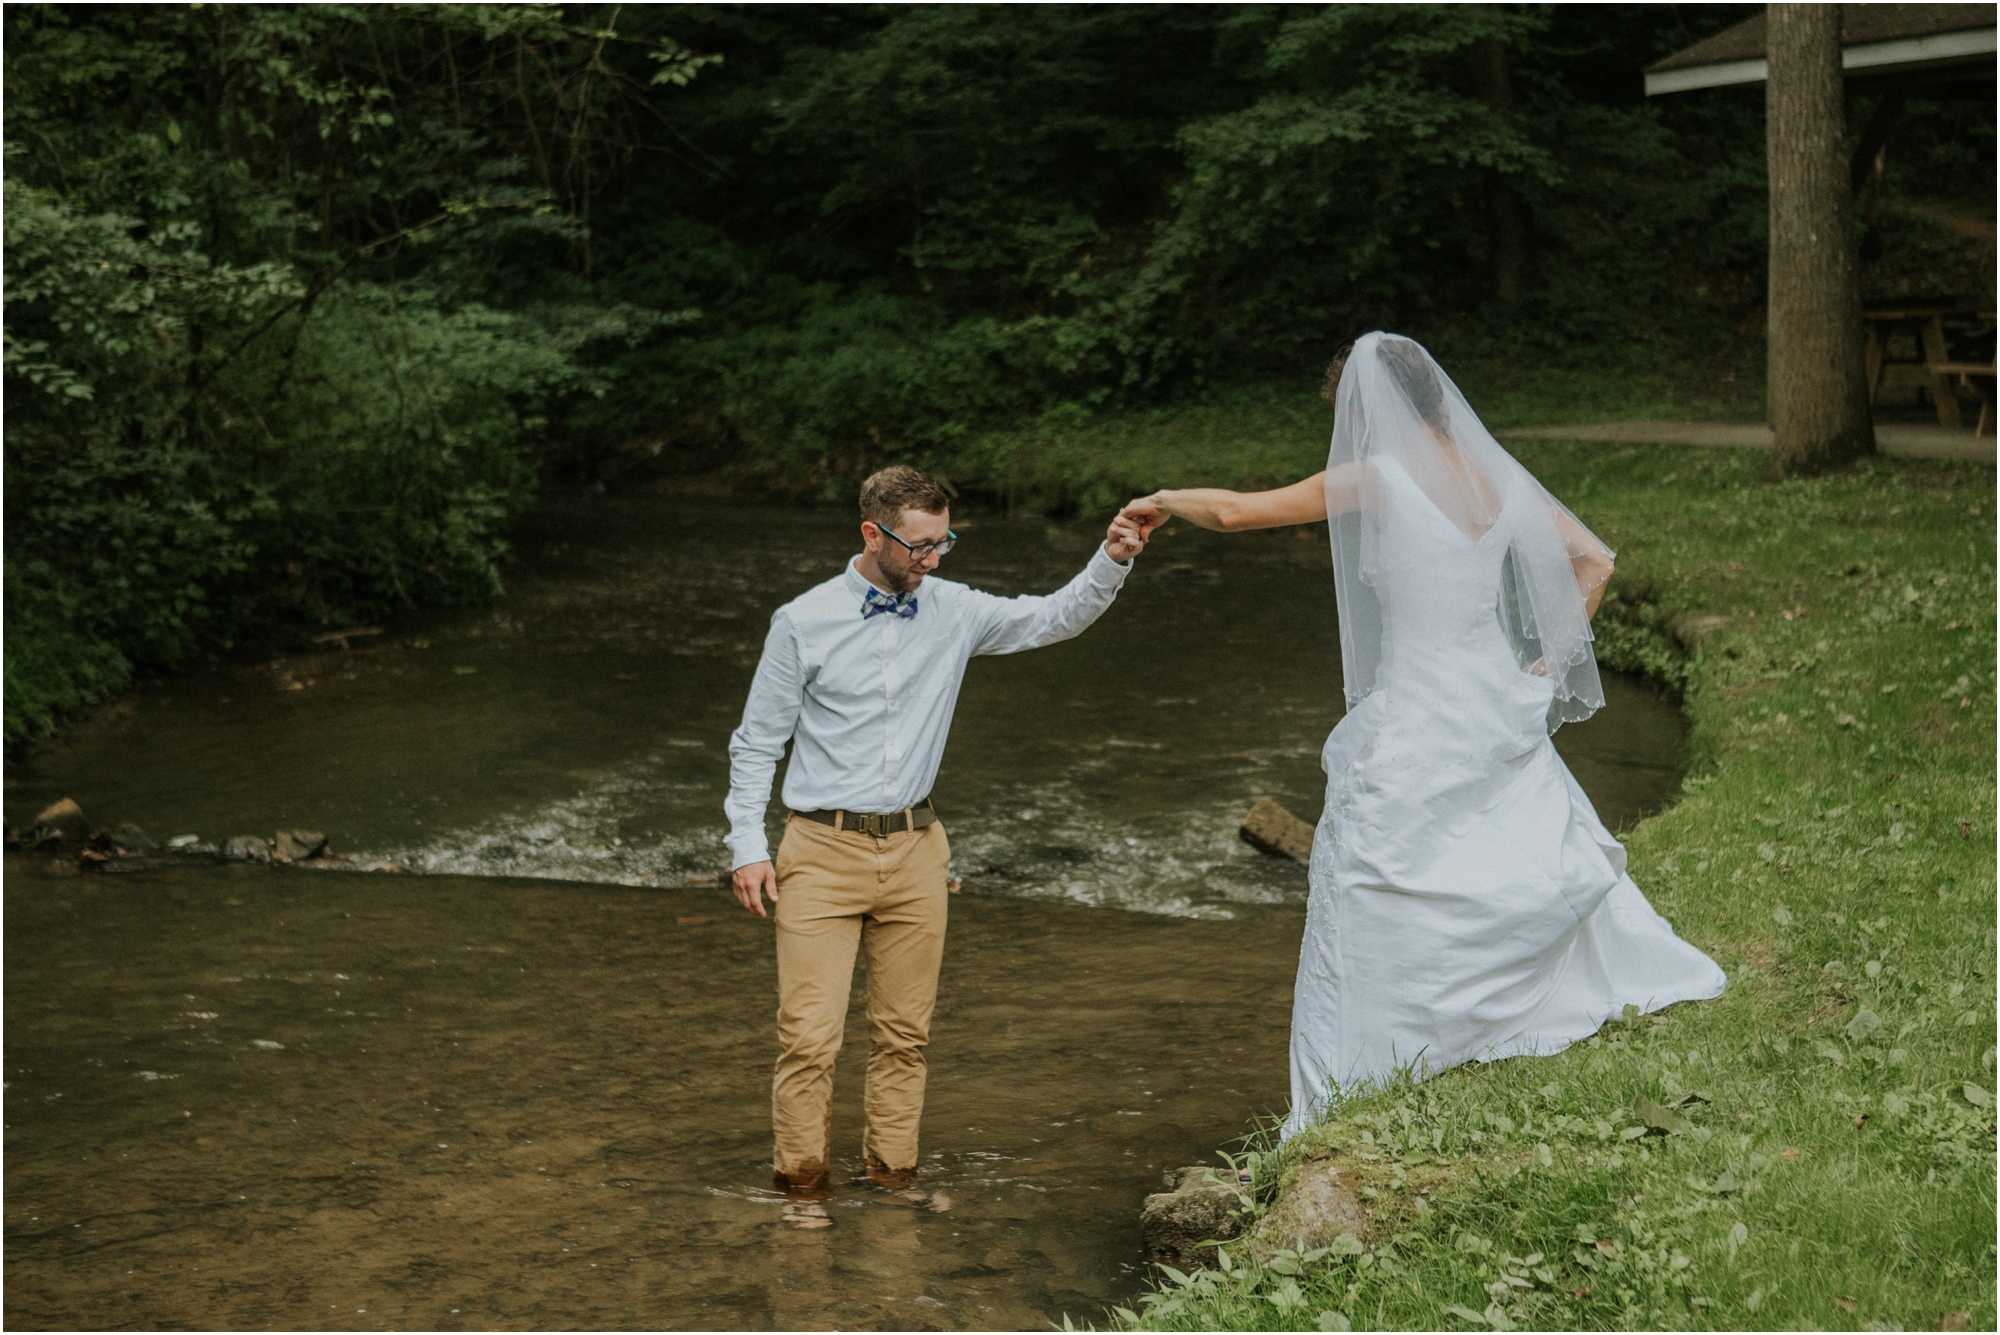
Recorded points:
529,1087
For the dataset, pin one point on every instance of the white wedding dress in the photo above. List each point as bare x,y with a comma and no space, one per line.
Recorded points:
1466,902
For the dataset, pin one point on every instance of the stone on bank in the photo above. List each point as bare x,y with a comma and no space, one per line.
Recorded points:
1318,1208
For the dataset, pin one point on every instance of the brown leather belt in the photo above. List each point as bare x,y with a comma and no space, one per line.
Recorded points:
893,822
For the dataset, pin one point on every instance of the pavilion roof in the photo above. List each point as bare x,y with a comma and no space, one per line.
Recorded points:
1876,39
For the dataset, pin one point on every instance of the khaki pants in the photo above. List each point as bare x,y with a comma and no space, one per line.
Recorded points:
839,889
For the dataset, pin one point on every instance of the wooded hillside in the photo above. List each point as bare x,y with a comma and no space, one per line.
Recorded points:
303,304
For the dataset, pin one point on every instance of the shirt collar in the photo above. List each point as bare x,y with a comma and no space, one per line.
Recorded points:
857,583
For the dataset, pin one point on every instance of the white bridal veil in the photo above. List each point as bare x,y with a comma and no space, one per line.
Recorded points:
1395,409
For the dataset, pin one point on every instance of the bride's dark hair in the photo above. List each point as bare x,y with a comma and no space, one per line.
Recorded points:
1331,386
1410,367
1411,370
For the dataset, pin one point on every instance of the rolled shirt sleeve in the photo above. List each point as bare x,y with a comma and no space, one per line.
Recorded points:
769,716
1010,625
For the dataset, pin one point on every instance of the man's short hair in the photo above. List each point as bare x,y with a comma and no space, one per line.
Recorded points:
888,493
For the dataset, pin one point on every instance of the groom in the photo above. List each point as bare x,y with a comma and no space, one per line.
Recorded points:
860,674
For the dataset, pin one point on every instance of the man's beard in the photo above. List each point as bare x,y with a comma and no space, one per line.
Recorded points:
908,579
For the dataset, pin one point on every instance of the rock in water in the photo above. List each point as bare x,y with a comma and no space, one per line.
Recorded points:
297,845
1314,1211
1200,1209
1269,828
131,841
64,820
247,848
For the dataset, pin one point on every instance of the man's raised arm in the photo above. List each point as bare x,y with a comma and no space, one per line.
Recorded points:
1010,625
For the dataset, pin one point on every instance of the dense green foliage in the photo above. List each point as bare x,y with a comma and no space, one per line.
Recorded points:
911,225
1833,850
918,222
257,360
304,302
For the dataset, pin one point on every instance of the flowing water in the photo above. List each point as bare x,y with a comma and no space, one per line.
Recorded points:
531,1087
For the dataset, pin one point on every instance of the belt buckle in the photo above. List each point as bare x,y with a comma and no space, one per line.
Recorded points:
873,824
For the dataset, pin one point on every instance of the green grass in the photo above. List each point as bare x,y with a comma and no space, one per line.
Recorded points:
1270,435
1833,849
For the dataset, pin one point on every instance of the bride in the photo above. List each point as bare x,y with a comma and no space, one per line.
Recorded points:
1466,902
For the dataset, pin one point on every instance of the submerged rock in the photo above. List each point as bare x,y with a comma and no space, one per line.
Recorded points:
1316,1209
247,848
1202,1209
1269,828
60,821
131,841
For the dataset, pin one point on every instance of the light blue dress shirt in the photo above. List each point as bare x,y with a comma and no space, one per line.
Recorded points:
867,704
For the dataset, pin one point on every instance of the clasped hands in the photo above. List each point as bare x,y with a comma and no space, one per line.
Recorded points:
1125,538
1141,515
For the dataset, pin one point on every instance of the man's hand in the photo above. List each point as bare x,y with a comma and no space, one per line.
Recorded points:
1124,539
752,881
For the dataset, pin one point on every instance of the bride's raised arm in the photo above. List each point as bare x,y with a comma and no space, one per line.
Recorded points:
1588,557
1307,501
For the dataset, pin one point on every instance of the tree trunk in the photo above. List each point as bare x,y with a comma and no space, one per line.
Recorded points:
1506,215
1818,379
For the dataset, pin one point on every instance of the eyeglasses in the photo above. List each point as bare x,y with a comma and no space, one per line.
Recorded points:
922,550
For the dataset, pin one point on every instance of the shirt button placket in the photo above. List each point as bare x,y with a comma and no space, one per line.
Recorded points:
892,685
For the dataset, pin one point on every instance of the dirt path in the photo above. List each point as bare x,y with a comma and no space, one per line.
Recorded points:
1901,439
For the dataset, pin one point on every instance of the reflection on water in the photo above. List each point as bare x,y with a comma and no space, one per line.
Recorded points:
250,1096
253,1096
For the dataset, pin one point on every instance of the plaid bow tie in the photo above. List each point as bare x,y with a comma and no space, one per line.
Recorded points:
875,601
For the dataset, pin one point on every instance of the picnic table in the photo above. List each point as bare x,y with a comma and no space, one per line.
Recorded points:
1933,368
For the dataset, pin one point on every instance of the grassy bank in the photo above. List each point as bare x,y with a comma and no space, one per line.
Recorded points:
1273,434
1834,851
